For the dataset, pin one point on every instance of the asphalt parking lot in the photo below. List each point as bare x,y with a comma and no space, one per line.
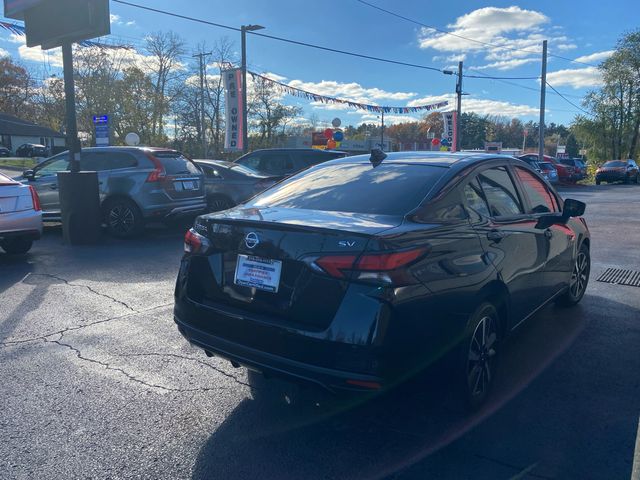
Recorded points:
98,383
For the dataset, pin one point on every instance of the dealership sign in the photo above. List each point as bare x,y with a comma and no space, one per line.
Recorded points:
232,81
449,137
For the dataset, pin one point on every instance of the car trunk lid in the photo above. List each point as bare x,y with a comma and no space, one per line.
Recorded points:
283,243
179,177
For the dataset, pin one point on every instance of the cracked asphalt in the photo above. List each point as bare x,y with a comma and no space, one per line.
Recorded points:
96,382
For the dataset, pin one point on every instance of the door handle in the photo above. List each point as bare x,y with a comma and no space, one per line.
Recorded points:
495,235
548,233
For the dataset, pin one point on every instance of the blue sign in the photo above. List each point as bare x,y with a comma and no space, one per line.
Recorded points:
100,119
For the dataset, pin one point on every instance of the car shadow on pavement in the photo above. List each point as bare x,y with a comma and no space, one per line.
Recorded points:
574,420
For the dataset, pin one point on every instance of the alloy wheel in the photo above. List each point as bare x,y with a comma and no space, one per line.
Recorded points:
121,219
579,276
480,357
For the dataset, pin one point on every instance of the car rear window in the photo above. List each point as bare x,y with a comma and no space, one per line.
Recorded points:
546,166
615,163
175,163
392,189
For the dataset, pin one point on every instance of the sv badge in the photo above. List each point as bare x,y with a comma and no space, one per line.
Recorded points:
347,243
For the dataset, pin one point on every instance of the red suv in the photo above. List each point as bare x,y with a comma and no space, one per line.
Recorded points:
566,173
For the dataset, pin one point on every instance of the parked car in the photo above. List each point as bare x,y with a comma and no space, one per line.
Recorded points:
137,184
549,172
5,152
579,167
566,173
618,171
32,150
533,163
20,216
360,272
227,184
281,162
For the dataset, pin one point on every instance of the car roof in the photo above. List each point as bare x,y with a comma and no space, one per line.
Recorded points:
439,159
318,150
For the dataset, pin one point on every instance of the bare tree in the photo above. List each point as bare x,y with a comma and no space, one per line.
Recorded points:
165,49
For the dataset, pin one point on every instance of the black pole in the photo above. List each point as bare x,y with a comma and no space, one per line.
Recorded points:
382,133
543,87
243,50
459,106
70,103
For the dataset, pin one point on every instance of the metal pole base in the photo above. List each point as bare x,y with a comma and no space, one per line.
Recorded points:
80,206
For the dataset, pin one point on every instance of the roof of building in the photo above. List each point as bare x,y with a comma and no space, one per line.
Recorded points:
10,125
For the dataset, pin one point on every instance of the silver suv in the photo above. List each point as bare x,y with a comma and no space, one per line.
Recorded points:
137,184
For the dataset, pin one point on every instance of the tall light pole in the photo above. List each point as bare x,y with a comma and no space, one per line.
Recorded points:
543,86
459,107
243,31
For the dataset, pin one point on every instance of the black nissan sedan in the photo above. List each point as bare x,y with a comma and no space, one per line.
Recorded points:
363,272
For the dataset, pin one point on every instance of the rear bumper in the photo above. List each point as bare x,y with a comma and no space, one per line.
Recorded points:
176,208
612,177
21,224
277,366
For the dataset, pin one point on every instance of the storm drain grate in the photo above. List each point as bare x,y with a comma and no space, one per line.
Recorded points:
620,276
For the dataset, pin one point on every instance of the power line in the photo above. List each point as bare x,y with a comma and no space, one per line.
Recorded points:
466,38
287,40
569,101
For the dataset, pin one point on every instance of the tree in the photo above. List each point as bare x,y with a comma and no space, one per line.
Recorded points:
17,89
165,49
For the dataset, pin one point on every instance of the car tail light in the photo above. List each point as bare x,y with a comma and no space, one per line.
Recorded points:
158,173
195,243
386,268
35,198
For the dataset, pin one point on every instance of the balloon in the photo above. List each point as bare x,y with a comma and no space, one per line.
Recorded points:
444,142
331,144
435,141
336,122
328,133
338,136
444,149
338,144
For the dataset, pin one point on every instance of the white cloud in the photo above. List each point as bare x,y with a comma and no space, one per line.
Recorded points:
595,57
501,35
4,53
576,77
481,106
350,91
388,119
52,57
508,64
114,18
487,24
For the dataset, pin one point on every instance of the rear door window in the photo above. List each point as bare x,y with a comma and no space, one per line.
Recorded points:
56,164
475,198
391,189
541,199
500,192
175,163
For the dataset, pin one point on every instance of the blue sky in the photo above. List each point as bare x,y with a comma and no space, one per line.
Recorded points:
581,30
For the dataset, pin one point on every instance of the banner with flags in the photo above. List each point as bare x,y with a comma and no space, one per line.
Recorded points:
450,135
234,111
297,92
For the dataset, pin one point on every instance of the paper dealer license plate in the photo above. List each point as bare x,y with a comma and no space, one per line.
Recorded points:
257,272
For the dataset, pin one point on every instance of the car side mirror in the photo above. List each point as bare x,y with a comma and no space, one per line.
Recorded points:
29,174
573,208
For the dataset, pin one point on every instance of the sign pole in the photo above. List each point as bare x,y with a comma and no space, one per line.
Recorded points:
70,104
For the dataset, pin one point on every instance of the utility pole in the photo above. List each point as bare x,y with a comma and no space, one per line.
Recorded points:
70,106
459,114
243,44
203,129
543,90
382,133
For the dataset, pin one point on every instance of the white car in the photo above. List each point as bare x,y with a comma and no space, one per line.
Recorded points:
20,216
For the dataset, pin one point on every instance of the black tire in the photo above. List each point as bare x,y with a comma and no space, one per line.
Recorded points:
636,180
478,353
123,218
218,203
579,279
16,246
597,182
